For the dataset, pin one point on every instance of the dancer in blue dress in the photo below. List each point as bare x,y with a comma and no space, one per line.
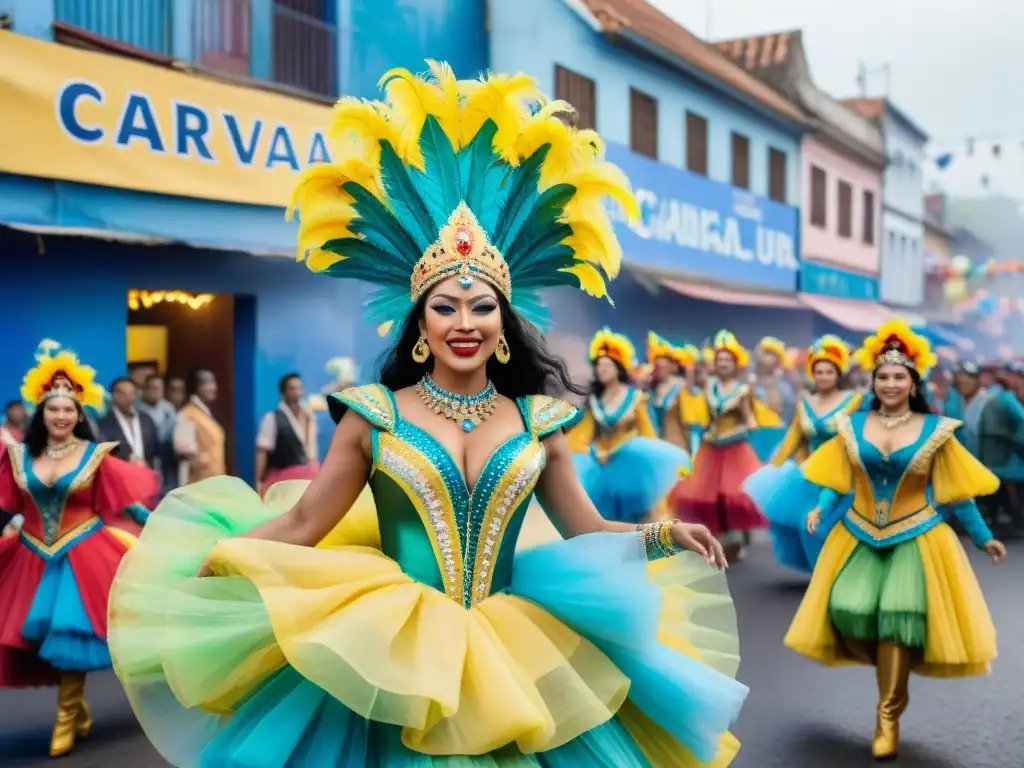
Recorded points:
625,468
779,489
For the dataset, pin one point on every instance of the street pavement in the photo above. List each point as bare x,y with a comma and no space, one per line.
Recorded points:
799,715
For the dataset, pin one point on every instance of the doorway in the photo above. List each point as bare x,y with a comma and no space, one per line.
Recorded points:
177,332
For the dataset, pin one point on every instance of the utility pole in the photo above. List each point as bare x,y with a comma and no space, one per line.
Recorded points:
864,71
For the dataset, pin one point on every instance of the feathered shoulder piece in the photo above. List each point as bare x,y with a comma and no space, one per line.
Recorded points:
468,179
607,343
725,341
58,373
830,349
896,344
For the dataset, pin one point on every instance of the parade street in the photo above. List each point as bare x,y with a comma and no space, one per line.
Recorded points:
799,715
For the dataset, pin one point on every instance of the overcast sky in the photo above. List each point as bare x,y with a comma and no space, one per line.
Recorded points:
956,69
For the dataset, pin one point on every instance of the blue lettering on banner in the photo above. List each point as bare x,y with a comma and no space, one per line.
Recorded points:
691,224
192,126
830,281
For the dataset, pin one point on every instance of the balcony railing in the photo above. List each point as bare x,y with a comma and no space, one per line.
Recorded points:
142,24
305,51
222,35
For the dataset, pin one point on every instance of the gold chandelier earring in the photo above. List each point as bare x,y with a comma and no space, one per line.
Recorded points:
421,351
502,353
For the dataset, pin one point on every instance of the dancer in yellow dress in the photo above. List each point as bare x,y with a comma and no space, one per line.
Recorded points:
418,636
622,464
892,587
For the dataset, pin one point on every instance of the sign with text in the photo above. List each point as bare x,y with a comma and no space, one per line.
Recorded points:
831,281
99,119
708,229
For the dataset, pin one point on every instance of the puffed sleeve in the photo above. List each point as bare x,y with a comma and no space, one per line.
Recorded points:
123,490
958,476
792,444
11,500
582,435
829,467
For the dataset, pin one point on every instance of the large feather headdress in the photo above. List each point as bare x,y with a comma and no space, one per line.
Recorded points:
896,344
830,349
450,177
58,373
725,341
607,343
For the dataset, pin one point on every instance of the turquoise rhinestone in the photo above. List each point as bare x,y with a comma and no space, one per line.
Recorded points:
467,425
465,282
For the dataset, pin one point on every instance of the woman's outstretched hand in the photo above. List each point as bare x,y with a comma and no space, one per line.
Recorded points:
697,538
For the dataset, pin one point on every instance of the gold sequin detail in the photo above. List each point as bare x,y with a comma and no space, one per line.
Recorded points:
372,402
884,531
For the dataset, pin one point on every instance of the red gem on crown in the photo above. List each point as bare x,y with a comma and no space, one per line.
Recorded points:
463,241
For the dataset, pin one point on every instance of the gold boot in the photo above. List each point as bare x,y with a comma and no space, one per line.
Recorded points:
69,713
893,671
84,723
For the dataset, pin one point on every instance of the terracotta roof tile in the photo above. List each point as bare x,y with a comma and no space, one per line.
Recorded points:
872,109
645,20
760,51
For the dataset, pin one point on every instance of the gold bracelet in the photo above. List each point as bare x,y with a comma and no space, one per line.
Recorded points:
658,541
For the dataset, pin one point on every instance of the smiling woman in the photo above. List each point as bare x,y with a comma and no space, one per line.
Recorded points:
417,635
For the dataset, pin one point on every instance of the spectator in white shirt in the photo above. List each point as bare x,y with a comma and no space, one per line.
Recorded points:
164,416
286,447
134,431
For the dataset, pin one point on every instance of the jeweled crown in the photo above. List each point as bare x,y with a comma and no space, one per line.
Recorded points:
894,355
461,249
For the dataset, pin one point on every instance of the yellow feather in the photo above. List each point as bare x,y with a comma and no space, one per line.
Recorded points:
313,234
593,239
319,260
590,279
363,125
408,97
449,112
384,328
505,99
600,180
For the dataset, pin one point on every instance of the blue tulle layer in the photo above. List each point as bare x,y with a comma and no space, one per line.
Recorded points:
596,584
765,440
636,477
785,497
57,622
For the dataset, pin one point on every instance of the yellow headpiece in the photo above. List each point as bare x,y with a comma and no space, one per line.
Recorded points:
776,346
474,179
659,346
830,349
58,373
724,341
896,344
607,343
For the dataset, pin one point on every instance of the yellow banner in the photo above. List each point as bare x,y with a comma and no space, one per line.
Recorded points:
99,119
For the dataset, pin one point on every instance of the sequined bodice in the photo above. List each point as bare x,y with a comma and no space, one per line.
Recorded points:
55,509
442,533
657,406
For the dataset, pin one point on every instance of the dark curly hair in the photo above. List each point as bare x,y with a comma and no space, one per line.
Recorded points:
533,370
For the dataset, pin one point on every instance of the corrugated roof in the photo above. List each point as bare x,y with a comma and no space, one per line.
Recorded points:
638,16
760,51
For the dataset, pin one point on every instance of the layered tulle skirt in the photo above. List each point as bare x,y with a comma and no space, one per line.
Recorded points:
333,656
305,471
53,607
785,497
635,478
713,493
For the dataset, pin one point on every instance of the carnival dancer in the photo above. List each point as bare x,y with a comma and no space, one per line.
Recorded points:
286,447
78,503
713,494
779,489
772,387
668,367
460,200
625,469
892,587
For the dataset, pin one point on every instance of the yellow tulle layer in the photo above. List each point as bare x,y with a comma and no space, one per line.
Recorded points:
961,639
393,650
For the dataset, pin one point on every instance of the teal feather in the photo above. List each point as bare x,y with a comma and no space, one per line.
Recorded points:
365,261
544,269
522,191
380,226
440,184
405,198
529,306
482,177
388,304
541,225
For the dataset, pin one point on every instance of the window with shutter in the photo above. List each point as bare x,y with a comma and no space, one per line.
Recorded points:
868,235
777,175
740,161
819,197
845,210
643,123
579,91
696,144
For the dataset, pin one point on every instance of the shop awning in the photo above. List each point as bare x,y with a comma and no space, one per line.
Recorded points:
860,316
944,336
727,296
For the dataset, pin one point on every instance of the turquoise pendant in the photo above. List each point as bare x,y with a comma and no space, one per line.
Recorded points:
465,281
467,425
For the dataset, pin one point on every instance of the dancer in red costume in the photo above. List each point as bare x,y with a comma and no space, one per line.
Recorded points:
713,493
79,506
